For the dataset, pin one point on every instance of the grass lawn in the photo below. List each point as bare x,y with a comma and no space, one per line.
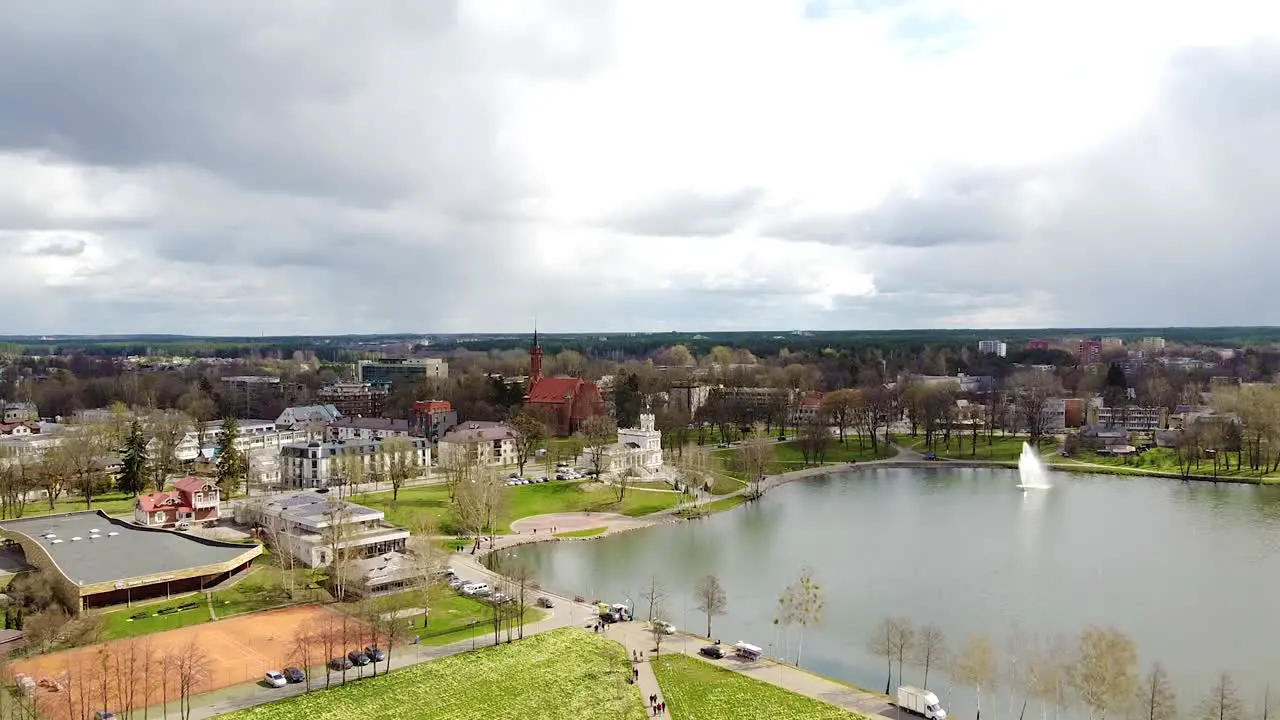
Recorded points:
116,624
452,617
1163,460
589,532
521,501
264,588
112,503
697,689
1002,447
790,456
565,674
714,506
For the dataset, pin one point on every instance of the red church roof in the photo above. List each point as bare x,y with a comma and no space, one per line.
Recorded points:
554,389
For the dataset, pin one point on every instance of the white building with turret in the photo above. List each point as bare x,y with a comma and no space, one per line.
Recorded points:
637,448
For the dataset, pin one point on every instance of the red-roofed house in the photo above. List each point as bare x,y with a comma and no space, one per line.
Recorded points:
562,402
192,499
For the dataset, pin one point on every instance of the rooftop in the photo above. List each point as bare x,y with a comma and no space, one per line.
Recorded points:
479,431
89,547
314,508
371,423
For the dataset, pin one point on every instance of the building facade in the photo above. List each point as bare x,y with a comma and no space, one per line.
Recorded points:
252,436
315,526
21,412
433,418
306,417
321,464
368,428
563,403
356,399
638,448
390,371
492,443
192,499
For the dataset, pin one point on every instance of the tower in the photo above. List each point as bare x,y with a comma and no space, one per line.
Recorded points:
535,358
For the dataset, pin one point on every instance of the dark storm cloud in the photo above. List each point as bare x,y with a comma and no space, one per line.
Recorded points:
690,214
60,247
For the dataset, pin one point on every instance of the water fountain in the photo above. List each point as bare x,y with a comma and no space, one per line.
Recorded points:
1032,472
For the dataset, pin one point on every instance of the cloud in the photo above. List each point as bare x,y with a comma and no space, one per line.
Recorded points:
622,165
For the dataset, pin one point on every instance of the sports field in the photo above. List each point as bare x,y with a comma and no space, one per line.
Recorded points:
228,652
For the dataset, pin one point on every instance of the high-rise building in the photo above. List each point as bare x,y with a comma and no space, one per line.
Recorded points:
993,347
389,371
1089,351
355,399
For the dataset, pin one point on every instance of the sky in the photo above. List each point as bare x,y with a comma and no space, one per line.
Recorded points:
636,165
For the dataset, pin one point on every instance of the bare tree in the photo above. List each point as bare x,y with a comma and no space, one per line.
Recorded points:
478,503
1156,698
192,665
427,558
975,665
658,631
330,635
1104,673
755,459
880,643
1222,703
530,434
654,594
167,429
840,406
149,660
904,641
82,448
806,604
598,433
814,438
399,461
710,598
1031,391
335,535
459,463
930,649
302,651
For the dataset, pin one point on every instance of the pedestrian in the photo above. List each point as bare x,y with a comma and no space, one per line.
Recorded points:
662,706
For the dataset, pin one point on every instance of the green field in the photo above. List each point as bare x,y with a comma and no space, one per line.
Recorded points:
589,532
432,502
1002,448
1165,460
452,617
790,456
112,503
565,674
697,690
714,506
117,624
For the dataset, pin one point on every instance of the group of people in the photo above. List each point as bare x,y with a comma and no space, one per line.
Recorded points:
656,705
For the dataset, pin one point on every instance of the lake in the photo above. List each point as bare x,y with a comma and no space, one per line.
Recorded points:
1187,569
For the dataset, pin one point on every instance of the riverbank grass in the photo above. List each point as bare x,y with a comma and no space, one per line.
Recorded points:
791,457
1001,448
565,674
1165,461
696,689
589,532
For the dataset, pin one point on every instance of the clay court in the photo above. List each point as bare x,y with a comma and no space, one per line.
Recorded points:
239,650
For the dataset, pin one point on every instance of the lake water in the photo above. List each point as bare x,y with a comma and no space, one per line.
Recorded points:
1189,570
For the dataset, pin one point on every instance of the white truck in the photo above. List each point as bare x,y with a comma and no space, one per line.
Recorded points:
921,702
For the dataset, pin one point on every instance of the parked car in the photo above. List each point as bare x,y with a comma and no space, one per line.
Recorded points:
499,598
340,663
275,679
664,627
294,675
930,456
544,602
456,583
475,589
358,658
374,653
561,476
104,715
715,652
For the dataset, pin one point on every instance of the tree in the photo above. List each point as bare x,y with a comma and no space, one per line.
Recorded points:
1104,674
598,433
1156,698
657,630
530,434
755,459
840,406
400,462
230,466
1222,703
302,651
814,438
975,665
459,463
133,476
628,401
192,666
904,640
167,431
654,594
880,643
477,503
79,456
931,647
710,598
805,602
1031,391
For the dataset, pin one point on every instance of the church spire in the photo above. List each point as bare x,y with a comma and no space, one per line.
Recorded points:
535,357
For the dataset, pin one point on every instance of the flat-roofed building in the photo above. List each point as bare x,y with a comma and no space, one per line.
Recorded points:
390,371
312,525
360,399
320,464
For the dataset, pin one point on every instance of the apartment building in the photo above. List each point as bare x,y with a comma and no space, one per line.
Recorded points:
368,428
1089,351
1131,418
360,399
252,436
321,464
433,418
390,371
312,524
993,347
492,443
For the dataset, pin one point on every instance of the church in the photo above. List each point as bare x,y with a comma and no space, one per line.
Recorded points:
562,402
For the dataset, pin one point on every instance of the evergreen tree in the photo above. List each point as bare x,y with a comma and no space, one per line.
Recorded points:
230,466
133,477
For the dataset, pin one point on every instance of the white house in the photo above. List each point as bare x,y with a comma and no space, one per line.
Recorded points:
637,448
312,524
318,464
493,443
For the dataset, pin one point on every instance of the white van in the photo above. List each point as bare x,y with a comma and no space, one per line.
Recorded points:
475,589
747,651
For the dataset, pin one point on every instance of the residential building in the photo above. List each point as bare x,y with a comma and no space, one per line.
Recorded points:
368,428
807,409
1131,418
21,412
319,464
1112,343
307,417
251,436
563,403
385,573
638,449
356,399
18,429
314,525
390,371
759,397
1053,417
433,418
192,499
1089,351
1153,343
1038,345
254,395
993,347
493,443
31,445
688,395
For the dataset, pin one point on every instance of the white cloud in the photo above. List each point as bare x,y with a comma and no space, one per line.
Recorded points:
630,164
